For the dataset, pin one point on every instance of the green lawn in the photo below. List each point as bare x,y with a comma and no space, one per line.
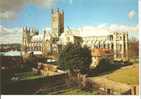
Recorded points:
28,76
77,91
128,75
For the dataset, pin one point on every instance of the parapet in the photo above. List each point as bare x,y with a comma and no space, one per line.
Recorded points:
53,11
29,30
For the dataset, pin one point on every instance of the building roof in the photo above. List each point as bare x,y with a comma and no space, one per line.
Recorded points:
12,53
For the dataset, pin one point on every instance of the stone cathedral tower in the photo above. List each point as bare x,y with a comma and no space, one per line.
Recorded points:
25,38
57,22
27,34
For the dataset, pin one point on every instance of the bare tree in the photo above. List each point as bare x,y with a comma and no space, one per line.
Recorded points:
133,48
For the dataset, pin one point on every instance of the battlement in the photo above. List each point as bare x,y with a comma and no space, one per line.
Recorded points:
57,10
30,30
120,33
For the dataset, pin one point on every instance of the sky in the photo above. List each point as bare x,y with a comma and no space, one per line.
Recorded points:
15,14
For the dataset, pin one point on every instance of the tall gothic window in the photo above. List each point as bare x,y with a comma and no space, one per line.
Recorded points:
112,46
120,47
99,45
104,46
110,37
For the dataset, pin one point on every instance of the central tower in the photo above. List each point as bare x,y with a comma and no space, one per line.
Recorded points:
57,22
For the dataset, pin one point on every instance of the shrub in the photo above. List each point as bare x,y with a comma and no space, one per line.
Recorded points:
103,66
73,56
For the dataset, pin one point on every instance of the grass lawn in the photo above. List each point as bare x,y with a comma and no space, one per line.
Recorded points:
28,76
128,75
76,91
69,91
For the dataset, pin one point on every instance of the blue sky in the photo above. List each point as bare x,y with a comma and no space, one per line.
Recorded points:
77,13
116,15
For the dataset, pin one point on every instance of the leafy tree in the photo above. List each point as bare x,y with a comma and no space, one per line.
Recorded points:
73,56
103,66
30,61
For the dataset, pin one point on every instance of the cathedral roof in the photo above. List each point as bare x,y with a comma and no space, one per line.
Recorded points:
12,53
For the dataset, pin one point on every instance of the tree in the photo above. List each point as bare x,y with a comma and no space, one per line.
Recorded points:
30,61
73,56
103,66
133,48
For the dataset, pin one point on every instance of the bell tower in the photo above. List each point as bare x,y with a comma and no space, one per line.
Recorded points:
25,38
57,22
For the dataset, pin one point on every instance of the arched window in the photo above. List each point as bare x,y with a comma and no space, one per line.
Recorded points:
120,47
104,46
120,38
108,46
112,46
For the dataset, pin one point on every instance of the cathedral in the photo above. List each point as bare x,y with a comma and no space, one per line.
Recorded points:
49,42
46,43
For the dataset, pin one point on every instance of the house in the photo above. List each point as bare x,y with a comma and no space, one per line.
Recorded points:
100,53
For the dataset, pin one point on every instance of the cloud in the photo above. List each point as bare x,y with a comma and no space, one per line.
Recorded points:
7,15
123,28
131,14
10,8
44,3
14,35
105,29
10,35
102,25
93,31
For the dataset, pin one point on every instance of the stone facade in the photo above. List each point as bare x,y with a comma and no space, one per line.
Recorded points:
31,41
50,42
57,22
68,37
117,42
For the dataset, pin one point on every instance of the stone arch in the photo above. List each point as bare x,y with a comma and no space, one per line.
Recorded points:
104,44
96,44
112,46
